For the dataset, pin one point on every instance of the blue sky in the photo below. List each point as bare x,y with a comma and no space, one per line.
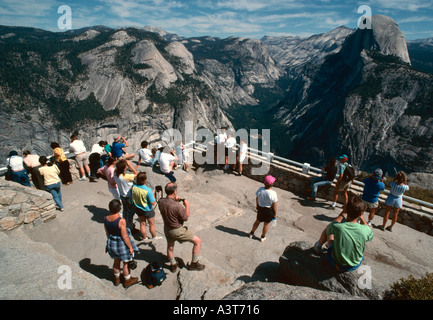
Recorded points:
221,18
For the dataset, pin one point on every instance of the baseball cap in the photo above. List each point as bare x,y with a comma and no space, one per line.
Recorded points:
378,174
270,180
117,138
344,157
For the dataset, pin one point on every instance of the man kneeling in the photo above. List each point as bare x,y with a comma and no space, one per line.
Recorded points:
346,240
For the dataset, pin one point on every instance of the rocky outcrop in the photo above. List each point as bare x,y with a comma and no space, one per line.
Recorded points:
21,205
300,266
280,291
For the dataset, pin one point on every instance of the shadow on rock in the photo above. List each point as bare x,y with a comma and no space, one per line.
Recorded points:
99,271
98,213
233,231
265,272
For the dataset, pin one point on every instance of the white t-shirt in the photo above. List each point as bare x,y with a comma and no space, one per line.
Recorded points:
96,148
243,152
222,137
231,142
164,162
266,197
16,163
124,183
145,154
77,147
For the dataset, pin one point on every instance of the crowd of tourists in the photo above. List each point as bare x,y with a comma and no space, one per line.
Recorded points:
345,237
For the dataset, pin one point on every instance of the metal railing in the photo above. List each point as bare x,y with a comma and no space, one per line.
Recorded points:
270,157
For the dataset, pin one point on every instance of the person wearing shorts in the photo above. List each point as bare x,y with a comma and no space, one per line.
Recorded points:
78,148
144,199
341,185
373,185
266,204
174,212
394,201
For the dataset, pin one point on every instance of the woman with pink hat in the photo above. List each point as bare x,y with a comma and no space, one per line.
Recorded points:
266,204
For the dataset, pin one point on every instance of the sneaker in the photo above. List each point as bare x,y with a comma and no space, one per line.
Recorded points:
318,248
156,238
381,228
331,207
83,178
130,282
196,266
311,198
369,224
250,235
262,239
389,228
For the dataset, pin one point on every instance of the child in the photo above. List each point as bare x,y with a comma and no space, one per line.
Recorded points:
395,199
120,246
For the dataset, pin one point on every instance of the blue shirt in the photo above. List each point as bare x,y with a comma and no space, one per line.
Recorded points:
143,197
372,189
116,149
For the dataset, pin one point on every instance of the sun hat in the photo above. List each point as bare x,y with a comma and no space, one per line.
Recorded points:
269,180
117,138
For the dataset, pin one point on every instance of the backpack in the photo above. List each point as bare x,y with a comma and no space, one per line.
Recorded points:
349,173
153,275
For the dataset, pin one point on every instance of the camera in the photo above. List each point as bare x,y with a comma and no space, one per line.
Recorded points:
181,200
133,264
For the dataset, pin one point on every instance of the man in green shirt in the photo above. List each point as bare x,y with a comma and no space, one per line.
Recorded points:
346,240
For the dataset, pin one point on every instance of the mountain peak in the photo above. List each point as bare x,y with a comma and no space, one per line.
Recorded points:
389,38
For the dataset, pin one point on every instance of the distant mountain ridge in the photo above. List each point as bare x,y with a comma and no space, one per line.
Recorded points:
315,93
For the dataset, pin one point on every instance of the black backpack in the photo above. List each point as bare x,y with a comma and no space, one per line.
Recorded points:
349,173
153,275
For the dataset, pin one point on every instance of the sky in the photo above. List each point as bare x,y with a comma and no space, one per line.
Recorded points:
218,18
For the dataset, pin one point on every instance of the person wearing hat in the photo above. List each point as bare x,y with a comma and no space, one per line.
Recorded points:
118,148
341,185
373,185
266,204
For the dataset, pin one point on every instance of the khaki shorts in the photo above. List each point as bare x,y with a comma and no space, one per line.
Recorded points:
371,205
82,160
343,186
181,234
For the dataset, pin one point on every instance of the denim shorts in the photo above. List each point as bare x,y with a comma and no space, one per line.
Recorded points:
339,267
393,201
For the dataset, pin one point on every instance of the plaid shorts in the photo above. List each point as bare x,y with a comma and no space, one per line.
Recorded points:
117,249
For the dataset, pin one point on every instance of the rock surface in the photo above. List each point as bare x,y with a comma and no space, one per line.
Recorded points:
222,213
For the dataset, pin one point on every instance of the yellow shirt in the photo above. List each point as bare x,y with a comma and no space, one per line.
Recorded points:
59,154
50,174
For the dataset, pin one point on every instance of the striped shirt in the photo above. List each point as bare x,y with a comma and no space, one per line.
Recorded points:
397,190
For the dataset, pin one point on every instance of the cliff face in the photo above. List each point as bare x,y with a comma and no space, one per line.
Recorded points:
99,83
365,101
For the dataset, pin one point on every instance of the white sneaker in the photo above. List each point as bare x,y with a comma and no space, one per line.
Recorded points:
250,235
262,239
83,178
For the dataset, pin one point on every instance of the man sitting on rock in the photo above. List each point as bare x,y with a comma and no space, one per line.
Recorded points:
346,240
